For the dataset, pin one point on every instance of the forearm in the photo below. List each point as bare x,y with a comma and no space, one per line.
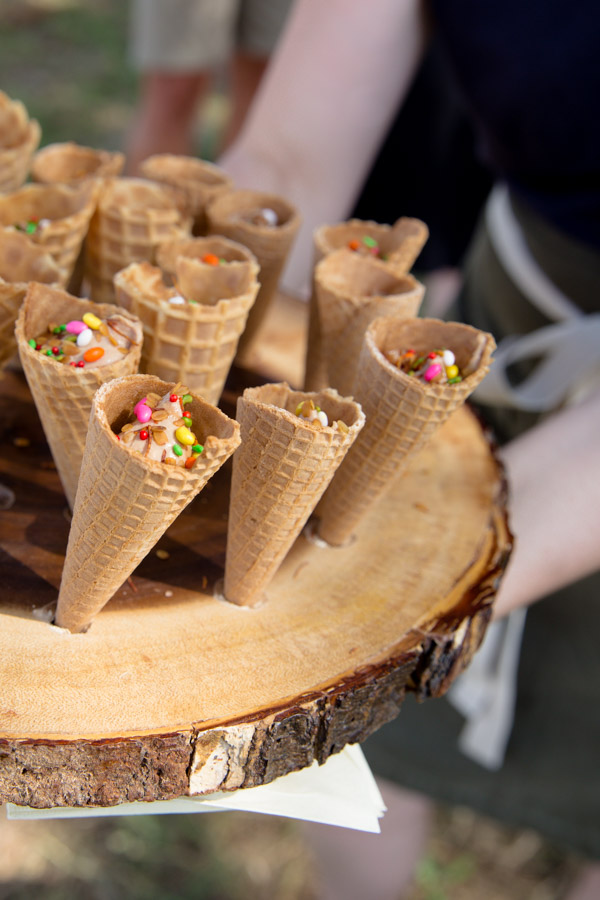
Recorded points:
338,74
554,480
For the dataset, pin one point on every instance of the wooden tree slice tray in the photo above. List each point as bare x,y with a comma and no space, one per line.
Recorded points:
175,691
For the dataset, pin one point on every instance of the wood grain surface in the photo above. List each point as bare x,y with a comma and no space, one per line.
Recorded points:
175,691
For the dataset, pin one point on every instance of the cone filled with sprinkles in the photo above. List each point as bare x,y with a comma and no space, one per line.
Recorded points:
412,374
150,449
68,348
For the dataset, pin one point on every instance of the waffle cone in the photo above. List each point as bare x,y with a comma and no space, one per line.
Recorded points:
69,163
68,209
125,502
269,245
400,243
191,343
132,218
63,395
199,180
19,139
351,292
169,252
20,262
402,412
279,473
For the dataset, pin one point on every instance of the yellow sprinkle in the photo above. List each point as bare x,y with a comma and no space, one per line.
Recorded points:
185,436
451,371
92,321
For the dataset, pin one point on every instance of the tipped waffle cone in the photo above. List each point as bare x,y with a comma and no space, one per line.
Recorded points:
125,502
351,292
68,163
270,245
279,473
19,139
68,209
169,252
63,395
132,218
402,412
20,262
191,343
400,243
199,180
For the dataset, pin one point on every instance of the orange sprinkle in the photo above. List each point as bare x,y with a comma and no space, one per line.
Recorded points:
354,244
190,461
93,354
210,259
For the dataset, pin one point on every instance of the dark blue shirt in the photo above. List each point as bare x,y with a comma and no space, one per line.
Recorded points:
530,73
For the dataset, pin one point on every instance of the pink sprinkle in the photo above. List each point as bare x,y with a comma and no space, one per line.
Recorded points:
432,372
76,327
143,412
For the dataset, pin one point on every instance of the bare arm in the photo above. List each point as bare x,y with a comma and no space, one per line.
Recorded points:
336,79
554,478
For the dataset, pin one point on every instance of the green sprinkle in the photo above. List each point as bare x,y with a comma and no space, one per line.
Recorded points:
454,380
222,262
32,343
369,241
197,448
30,227
177,450
195,302
187,398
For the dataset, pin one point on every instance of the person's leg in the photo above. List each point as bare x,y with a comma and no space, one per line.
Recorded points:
245,73
166,115
352,865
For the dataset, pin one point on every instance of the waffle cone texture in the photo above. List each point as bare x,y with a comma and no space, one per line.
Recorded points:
69,211
402,413
197,248
69,163
63,395
19,139
20,262
351,292
270,245
125,502
132,218
199,180
400,243
194,343
280,471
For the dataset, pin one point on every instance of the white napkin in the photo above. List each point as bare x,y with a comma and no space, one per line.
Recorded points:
341,792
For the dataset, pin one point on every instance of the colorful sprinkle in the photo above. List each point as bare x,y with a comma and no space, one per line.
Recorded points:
177,450
75,327
143,435
85,337
197,448
432,371
187,398
92,321
185,436
32,343
354,244
93,354
142,411
369,241
173,398
210,259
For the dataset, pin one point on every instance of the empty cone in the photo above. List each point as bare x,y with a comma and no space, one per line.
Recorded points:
19,139
231,214
351,292
63,394
132,218
62,214
126,501
69,163
198,179
194,343
21,261
396,247
279,473
402,412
